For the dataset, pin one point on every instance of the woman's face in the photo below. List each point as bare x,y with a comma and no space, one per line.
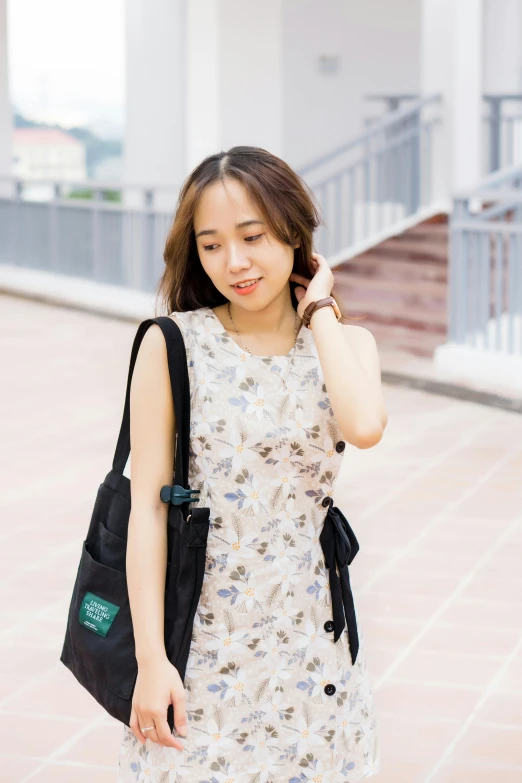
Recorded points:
233,252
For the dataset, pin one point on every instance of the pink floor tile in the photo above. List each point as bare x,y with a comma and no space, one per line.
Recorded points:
473,613
68,773
511,680
389,632
24,664
453,638
502,709
39,737
394,607
425,665
57,693
426,701
397,582
380,659
99,746
409,738
14,768
437,561
395,770
490,745
464,773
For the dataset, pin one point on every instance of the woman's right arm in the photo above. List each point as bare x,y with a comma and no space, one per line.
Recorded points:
152,434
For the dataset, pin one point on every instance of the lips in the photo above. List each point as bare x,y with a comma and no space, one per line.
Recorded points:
251,280
247,289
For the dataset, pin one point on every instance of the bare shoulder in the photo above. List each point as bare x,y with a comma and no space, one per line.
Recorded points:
152,354
151,379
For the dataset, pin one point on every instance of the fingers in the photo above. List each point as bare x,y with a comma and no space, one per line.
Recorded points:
299,292
180,714
160,734
164,734
299,279
135,724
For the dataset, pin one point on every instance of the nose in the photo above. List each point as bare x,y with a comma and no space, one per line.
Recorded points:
237,259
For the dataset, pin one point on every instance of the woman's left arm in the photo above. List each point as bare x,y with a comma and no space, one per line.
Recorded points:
352,375
349,361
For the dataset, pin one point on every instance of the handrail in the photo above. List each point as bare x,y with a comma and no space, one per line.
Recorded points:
507,174
387,122
485,274
87,184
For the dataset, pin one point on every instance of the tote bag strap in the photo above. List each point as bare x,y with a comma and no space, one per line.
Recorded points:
179,381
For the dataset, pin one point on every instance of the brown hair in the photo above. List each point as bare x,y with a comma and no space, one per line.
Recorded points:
283,198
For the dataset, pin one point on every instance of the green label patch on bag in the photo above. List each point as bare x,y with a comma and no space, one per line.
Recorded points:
96,614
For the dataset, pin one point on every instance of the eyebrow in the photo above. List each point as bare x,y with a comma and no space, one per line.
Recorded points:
238,225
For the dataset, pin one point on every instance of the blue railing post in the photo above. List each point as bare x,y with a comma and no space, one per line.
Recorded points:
485,269
385,171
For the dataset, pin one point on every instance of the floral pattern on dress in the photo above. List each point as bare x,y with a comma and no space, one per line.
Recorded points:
263,455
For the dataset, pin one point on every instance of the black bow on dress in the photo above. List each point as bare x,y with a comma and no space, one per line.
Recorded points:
339,548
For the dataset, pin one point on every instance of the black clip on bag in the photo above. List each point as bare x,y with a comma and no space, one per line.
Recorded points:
99,647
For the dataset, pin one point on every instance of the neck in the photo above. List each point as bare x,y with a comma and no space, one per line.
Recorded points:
276,318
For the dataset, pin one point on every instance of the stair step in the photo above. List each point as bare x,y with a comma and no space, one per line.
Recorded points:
410,319
400,288
403,338
437,231
417,250
372,293
393,269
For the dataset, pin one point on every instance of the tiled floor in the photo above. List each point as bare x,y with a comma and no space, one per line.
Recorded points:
436,506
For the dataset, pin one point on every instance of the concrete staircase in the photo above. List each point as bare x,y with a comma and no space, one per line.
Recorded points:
400,287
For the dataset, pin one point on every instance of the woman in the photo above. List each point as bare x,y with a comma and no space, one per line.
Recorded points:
268,695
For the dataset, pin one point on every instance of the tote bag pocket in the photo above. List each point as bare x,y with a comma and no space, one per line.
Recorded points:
113,549
100,628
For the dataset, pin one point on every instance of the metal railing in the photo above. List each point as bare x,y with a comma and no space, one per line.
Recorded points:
502,137
376,180
485,274
120,241
503,131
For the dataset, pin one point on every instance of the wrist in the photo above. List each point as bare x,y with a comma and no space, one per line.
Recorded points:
324,314
325,303
150,656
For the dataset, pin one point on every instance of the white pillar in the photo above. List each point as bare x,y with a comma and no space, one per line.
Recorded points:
203,107
451,64
154,149
6,122
251,78
202,76
503,46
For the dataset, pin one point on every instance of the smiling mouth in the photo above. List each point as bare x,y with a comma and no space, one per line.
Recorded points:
246,283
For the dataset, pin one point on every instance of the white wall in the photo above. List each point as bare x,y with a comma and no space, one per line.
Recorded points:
502,46
5,105
379,46
251,78
154,149
205,75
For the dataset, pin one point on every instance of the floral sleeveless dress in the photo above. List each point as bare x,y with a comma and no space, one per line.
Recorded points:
260,702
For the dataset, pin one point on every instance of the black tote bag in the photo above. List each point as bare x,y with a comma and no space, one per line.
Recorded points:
99,646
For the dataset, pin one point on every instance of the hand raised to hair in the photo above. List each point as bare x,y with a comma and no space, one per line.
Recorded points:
318,287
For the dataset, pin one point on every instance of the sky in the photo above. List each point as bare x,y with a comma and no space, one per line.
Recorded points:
67,59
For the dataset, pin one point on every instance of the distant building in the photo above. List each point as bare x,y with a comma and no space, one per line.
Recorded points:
108,169
47,154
